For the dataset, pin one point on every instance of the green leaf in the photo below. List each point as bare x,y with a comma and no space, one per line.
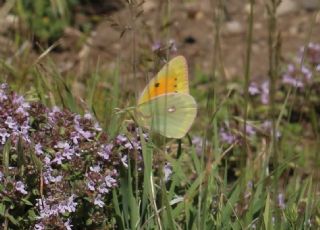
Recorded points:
2,209
27,202
6,157
267,214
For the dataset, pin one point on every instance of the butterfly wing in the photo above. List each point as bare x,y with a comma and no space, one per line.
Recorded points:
172,78
171,115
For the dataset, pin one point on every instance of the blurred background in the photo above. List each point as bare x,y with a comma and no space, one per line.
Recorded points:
97,34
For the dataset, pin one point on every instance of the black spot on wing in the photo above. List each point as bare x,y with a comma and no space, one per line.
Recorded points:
157,84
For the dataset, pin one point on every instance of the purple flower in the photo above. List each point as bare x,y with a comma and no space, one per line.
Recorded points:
226,136
12,124
124,160
39,226
68,224
67,152
156,46
86,134
248,192
198,143
173,45
311,53
62,145
296,77
20,187
51,207
253,89
110,182
306,73
95,168
97,127
3,86
281,202
121,138
38,149
88,116
98,201
287,79
250,130
265,92
167,170
22,111
4,135
68,205
105,151
91,185
132,145
267,126
3,96
49,178
58,159
103,189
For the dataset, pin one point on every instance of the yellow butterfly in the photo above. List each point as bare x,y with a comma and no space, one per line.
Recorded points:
165,105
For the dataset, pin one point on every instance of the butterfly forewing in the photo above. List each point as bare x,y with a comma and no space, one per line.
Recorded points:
172,78
171,114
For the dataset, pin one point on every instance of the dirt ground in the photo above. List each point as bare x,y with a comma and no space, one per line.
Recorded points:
191,28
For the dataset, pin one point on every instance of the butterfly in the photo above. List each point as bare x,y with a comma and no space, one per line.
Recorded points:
165,105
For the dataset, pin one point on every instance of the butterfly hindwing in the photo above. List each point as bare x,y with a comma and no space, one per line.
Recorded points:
172,78
171,114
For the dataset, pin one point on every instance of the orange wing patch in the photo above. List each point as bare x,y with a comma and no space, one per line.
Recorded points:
163,86
172,78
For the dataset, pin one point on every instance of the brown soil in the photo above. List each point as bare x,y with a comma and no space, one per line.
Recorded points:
191,26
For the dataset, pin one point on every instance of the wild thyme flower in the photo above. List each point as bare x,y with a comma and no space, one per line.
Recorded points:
296,76
156,46
167,171
310,53
68,225
171,45
266,126
20,187
80,165
254,89
68,205
39,226
197,142
124,161
38,149
281,202
226,136
265,92
14,116
250,131
95,168
105,151
98,201
52,207
260,89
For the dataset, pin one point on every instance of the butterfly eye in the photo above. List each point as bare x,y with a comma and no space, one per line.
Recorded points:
172,109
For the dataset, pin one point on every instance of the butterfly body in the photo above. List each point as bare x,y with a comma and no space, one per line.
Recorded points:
165,105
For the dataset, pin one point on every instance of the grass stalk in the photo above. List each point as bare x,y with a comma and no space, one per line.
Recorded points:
247,73
274,58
